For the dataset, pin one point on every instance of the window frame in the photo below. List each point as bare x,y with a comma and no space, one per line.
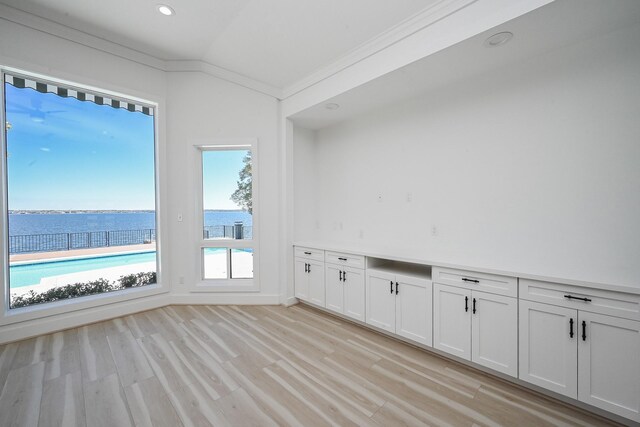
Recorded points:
38,311
228,284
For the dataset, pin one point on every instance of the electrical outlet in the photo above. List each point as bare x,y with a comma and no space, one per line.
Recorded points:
434,230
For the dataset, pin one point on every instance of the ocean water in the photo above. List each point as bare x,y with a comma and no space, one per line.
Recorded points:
28,224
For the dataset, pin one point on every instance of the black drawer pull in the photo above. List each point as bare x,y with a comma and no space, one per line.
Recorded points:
308,268
571,328
307,253
474,306
464,279
341,275
344,276
342,259
466,303
391,287
397,288
578,298
584,330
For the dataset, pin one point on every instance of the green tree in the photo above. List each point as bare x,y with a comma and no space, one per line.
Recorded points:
243,195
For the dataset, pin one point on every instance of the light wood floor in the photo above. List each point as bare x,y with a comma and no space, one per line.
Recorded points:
245,366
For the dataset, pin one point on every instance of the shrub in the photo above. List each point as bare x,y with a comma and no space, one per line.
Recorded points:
82,289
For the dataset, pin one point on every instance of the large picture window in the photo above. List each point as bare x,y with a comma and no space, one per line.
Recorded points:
80,189
228,190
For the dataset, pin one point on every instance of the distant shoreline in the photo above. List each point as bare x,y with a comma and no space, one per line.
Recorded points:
83,211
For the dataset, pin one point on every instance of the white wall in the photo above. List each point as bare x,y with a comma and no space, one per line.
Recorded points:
533,168
191,105
202,107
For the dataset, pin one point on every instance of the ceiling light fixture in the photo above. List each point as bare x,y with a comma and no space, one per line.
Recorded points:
498,39
165,10
331,106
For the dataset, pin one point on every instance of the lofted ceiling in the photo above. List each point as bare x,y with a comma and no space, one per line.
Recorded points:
277,42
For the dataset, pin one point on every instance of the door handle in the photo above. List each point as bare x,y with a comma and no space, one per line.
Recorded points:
578,298
466,303
308,268
474,306
344,276
305,267
584,330
571,328
391,286
341,275
397,288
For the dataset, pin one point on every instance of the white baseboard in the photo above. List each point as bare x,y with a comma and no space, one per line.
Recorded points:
224,299
73,319
288,302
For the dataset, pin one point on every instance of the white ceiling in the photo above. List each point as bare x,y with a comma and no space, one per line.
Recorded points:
277,42
550,27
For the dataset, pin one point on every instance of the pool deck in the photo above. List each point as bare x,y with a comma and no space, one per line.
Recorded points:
81,252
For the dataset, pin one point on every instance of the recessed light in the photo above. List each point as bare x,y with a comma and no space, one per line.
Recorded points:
165,10
331,106
498,39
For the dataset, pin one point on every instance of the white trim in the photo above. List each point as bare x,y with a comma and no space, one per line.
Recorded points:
424,18
226,285
10,316
224,299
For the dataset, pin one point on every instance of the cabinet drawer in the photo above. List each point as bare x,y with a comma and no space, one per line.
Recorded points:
581,298
492,283
309,253
356,261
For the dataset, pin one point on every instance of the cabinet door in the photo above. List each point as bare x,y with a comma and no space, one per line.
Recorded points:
414,309
334,288
381,300
494,332
609,363
451,321
548,351
316,282
301,279
353,282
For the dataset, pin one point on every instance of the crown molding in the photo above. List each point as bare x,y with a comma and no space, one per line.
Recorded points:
55,29
423,19
222,73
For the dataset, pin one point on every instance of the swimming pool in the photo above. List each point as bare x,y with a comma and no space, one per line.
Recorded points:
30,274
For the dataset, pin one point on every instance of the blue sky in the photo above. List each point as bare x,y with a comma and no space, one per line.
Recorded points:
69,154
220,175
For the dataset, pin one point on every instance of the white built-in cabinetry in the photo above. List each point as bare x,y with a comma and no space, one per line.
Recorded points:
583,343
476,325
309,275
580,342
345,284
399,300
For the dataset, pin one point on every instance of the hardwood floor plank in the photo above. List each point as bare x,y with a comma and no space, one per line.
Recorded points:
150,406
241,410
7,355
105,403
130,361
63,402
95,354
64,355
166,365
21,395
196,408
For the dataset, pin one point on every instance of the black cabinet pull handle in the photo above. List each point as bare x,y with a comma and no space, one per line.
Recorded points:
307,253
464,279
308,268
344,276
584,330
341,275
391,286
474,306
397,288
578,298
342,259
571,328
466,303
